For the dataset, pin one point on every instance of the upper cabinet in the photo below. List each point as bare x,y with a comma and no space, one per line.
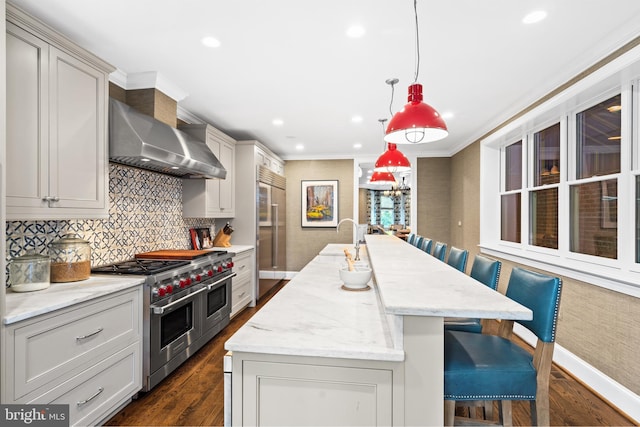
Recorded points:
269,161
211,198
57,152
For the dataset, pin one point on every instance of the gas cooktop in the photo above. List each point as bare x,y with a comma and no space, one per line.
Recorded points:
140,266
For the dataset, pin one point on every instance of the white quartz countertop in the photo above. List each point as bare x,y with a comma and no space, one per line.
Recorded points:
337,249
25,305
412,282
313,316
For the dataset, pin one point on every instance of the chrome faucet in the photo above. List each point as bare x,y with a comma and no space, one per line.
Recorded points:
358,228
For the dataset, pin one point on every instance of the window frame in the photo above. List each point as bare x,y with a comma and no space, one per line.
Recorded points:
621,274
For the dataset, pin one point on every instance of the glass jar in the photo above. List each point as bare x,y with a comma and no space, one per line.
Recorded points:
70,259
29,272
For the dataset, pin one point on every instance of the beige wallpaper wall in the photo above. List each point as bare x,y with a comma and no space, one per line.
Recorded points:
304,243
434,198
599,326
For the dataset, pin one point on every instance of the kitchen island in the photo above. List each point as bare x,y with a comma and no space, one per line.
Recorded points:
319,355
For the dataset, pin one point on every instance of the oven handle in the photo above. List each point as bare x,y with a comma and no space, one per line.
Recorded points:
160,310
211,285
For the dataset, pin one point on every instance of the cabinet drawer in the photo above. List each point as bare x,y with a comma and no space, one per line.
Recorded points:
240,295
242,263
58,346
91,394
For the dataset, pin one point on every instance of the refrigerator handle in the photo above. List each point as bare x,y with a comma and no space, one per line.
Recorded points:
274,240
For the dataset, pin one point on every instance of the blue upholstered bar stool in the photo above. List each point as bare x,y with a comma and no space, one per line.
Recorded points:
490,367
410,238
417,242
426,245
440,251
458,258
484,270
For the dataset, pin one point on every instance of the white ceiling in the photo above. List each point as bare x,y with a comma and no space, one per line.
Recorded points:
292,60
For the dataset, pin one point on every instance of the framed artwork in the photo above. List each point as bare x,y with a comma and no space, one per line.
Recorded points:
201,238
609,204
319,203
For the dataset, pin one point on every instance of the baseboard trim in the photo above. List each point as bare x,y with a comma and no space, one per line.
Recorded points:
615,393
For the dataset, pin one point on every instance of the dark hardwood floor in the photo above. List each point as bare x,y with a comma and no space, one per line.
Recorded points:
193,394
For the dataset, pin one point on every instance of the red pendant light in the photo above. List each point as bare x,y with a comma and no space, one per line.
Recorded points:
382,178
392,160
417,122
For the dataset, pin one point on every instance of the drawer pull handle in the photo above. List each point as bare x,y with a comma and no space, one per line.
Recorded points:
82,402
84,337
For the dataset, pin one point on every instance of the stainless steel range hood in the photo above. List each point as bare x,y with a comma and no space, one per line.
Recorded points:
136,139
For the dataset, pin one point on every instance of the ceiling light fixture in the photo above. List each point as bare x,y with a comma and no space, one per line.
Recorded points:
210,41
417,122
382,178
277,122
392,160
355,31
535,16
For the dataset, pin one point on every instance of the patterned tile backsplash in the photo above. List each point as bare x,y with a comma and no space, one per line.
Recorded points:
145,214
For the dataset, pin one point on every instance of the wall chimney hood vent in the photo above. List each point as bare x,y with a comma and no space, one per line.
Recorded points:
136,139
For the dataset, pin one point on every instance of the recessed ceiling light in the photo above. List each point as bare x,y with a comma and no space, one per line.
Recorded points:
175,167
145,160
355,31
447,115
356,119
357,145
535,16
299,147
210,41
277,122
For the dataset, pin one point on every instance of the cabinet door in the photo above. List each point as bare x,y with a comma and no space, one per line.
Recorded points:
27,113
227,186
78,160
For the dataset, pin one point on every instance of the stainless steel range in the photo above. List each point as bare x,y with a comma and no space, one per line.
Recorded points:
186,303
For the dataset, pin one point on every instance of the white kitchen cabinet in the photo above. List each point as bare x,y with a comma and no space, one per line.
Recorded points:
211,198
243,284
269,160
285,390
57,151
88,356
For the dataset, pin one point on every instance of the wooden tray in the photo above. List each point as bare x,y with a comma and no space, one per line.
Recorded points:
184,254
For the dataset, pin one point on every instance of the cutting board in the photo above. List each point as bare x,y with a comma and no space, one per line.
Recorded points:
183,254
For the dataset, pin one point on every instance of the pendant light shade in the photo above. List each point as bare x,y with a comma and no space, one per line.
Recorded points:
392,160
382,178
417,122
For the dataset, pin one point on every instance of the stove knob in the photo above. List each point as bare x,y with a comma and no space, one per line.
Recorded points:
210,273
229,264
179,283
162,291
169,289
198,277
219,269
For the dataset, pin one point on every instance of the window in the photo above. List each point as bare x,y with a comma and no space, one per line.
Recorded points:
543,222
510,203
386,211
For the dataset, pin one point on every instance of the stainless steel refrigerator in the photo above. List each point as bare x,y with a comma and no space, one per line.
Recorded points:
271,198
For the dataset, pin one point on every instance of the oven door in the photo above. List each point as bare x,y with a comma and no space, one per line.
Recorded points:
173,327
216,305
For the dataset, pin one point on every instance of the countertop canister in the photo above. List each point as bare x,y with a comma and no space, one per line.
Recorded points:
70,259
29,272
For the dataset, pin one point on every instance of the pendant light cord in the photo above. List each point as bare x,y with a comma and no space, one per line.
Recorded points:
384,143
415,12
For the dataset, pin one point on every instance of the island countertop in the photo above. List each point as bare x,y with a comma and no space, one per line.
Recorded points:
411,283
313,316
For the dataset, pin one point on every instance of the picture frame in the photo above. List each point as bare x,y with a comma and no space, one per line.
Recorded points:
319,203
201,238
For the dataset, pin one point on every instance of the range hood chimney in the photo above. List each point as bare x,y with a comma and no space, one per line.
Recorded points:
139,140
